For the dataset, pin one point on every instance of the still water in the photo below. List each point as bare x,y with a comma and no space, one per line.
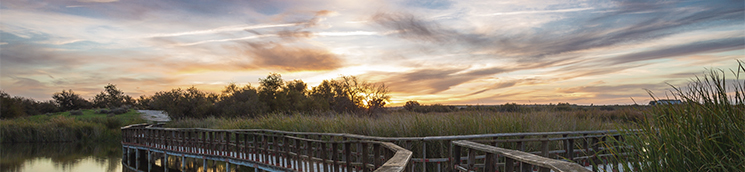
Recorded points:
63,157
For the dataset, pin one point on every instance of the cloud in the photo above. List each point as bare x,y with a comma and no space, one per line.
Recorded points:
433,80
581,33
220,29
98,1
430,4
19,58
292,58
682,50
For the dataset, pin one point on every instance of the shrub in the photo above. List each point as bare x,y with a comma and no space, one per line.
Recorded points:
411,105
76,112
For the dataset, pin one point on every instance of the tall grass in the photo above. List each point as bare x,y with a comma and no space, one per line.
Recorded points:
65,128
707,133
411,124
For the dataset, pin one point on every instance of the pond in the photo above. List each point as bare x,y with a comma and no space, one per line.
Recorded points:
64,157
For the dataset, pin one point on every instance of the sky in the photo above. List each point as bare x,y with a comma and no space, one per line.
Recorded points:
470,52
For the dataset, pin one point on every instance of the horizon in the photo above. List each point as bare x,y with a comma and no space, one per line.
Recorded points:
433,52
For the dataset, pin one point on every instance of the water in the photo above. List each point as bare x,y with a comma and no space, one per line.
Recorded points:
62,157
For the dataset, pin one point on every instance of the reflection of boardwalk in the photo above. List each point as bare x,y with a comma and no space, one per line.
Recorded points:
270,150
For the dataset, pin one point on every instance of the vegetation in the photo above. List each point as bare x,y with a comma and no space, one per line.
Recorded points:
67,127
412,124
707,133
112,98
346,94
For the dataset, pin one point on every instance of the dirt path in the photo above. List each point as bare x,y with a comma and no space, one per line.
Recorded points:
154,115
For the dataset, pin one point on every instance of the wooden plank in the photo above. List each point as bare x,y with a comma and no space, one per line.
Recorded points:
555,165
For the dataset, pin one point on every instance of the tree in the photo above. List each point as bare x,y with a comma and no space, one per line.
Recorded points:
411,105
112,98
240,101
296,96
348,94
10,107
179,103
68,100
269,92
376,95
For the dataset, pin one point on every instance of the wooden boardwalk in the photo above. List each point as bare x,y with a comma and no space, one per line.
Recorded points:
271,150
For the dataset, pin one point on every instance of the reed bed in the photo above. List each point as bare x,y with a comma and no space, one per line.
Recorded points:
63,127
707,133
410,124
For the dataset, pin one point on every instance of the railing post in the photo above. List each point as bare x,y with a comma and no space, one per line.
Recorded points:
544,146
324,156
376,155
309,153
489,163
424,156
335,155
455,157
365,157
286,144
569,148
348,155
471,159
509,164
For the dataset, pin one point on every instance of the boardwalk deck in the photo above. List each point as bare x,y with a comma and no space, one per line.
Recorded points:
306,151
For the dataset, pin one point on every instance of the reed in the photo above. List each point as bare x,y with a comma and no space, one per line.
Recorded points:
63,127
411,124
707,133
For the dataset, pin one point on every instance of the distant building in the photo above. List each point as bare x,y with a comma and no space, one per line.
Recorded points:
665,102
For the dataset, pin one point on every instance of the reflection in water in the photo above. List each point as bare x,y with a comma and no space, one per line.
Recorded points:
60,157
174,164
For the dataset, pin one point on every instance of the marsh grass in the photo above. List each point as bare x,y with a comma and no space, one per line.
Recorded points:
707,133
64,127
411,124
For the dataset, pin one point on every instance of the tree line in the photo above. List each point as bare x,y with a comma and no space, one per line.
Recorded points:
346,94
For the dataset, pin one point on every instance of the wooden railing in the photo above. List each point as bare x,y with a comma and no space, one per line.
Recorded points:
281,151
587,148
492,161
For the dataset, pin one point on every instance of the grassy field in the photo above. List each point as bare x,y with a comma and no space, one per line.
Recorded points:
64,127
411,124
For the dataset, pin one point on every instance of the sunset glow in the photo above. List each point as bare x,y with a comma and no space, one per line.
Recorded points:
448,52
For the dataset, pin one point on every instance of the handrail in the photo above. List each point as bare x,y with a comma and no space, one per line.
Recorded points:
520,156
283,152
584,147
427,138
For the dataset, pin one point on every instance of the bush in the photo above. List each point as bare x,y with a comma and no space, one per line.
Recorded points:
509,107
76,112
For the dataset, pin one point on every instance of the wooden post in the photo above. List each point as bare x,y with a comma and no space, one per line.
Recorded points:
455,157
471,159
509,164
324,157
424,156
309,153
286,144
489,163
298,160
348,155
335,155
376,155
165,162
365,157
204,165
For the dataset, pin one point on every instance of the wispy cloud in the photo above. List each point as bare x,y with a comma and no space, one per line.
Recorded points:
537,12
221,29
